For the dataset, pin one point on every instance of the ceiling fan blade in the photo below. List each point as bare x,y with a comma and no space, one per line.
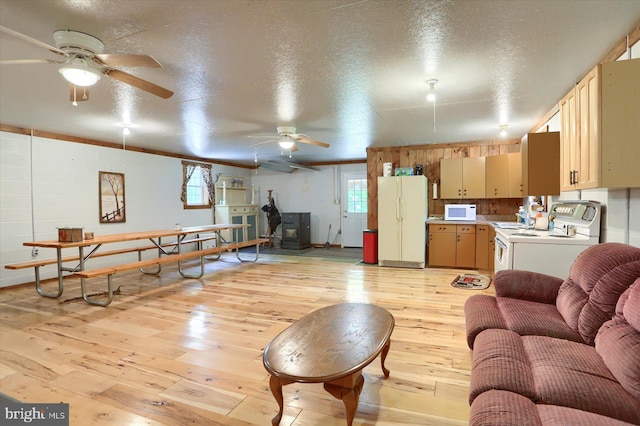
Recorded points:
262,143
77,93
145,85
294,148
30,61
261,136
33,41
128,60
306,139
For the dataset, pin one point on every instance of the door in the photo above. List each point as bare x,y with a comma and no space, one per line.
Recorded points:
389,228
412,212
354,206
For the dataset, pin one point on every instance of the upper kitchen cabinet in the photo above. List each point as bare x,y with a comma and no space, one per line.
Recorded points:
540,163
504,175
620,124
600,128
462,177
516,189
497,176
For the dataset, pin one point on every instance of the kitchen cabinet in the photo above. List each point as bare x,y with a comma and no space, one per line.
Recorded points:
482,247
452,246
579,136
462,178
442,245
465,246
240,214
497,176
600,127
540,155
515,187
504,176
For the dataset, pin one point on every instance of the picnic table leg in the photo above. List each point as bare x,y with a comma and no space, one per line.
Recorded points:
39,285
192,276
85,296
60,279
160,252
248,260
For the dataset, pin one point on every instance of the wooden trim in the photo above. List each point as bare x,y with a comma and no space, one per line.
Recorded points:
621,46
553,111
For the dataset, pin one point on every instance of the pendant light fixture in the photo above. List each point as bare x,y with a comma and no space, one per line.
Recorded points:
431,94
431,97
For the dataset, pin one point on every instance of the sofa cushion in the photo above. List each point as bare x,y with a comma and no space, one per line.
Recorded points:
504,408
549,371
596,280
500,362
618,341
538,319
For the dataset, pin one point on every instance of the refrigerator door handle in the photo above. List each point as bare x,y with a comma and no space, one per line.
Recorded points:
398,212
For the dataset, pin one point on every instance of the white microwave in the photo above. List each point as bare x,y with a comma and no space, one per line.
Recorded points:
459,212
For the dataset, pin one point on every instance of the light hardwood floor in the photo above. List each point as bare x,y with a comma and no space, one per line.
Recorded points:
174,351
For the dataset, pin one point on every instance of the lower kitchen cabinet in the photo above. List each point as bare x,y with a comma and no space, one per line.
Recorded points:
452,246
485,247
442,245
482,247
239,215
465,246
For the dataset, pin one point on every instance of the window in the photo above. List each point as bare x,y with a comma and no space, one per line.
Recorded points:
357,196
197,186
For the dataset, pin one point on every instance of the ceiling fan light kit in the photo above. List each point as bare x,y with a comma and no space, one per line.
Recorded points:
78,72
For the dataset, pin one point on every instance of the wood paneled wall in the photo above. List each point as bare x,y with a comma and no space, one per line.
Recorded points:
429,156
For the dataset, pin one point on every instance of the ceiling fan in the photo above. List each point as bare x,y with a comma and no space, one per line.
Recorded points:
84,63
287,138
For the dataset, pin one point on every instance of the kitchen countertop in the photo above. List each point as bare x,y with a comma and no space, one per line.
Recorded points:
480,220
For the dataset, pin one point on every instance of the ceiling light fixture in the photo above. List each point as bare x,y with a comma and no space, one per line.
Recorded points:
431,97
285,142
503,130
431,94
79,72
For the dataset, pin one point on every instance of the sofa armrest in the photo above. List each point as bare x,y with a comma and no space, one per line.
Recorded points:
527,285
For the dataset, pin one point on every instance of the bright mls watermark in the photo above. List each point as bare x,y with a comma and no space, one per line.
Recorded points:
34,414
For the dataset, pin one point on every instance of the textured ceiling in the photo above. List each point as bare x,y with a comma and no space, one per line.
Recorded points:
350,73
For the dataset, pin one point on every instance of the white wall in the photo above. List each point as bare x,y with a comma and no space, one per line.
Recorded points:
63,179
315,192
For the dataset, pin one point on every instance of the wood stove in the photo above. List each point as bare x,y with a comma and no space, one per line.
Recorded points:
296,230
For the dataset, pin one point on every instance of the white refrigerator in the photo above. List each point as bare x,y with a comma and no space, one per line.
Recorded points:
402,216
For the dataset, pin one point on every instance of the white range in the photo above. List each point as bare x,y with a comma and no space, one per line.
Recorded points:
549,252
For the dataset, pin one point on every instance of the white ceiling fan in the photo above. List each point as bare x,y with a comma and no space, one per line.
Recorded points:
287,138
84,63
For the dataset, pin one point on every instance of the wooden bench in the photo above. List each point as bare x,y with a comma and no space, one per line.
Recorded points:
109,271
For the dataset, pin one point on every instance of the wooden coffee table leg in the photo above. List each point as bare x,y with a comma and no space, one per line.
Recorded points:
347,389
383,356
275,384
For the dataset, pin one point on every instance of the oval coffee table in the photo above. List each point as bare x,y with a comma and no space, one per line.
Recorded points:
331,345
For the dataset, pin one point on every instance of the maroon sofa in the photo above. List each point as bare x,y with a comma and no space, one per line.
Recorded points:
553,352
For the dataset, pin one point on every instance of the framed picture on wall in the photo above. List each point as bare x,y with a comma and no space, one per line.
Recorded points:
111,192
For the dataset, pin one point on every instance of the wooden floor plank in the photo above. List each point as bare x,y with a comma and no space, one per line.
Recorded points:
172,351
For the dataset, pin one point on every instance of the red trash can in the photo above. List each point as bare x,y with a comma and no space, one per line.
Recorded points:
370,246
